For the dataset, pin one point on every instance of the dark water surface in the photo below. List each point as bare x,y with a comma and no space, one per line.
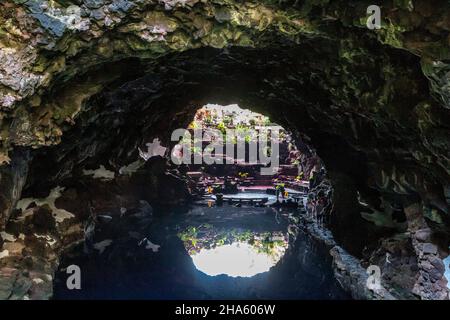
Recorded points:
125,270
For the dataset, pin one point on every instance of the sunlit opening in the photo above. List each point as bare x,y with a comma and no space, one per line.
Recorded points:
235,260
233,252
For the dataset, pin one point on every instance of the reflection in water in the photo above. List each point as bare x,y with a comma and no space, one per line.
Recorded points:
235,260
233,252
127,270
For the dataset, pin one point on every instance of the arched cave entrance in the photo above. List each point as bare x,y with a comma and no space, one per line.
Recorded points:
87,95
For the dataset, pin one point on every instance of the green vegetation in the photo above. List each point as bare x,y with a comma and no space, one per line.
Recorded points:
206,236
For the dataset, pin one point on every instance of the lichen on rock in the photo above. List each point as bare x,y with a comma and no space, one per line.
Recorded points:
85,83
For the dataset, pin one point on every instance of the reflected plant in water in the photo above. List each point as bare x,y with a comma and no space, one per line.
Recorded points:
234,252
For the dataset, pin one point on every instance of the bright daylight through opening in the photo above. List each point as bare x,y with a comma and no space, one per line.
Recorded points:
216,150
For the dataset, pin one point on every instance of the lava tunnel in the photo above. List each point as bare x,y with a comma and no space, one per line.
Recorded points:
357,207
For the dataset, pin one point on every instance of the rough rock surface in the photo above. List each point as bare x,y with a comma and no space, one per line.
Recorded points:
353,277
33,242
41,229
84,83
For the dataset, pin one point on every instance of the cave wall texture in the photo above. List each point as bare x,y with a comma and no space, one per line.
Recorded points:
85,82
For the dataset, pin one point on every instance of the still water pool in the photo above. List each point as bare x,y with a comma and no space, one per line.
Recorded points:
205,253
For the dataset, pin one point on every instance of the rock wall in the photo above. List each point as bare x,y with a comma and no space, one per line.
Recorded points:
87,82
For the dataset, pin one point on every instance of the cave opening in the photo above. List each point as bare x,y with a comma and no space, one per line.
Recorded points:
232,170
87,108
107,183
113,176
234,232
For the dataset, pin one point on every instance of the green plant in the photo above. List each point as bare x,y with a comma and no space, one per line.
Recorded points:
221,126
